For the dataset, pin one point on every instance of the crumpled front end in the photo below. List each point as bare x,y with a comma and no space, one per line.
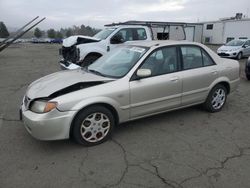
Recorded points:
71,53
53,123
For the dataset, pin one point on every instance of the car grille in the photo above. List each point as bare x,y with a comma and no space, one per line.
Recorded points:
70,53
223,54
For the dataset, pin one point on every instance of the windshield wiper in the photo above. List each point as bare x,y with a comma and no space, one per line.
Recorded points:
96,72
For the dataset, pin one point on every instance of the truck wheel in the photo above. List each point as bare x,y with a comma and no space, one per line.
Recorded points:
89,60
239,56
93,126
216,99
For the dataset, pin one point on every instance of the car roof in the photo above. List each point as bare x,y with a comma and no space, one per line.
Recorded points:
241,40
158,43
125,26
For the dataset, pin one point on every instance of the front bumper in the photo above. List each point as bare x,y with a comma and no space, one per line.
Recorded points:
66,65
54,125
228,54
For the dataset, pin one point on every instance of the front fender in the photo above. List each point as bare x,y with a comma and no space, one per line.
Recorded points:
86,49
123,112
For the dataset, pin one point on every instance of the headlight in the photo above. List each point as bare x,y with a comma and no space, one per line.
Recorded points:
41,106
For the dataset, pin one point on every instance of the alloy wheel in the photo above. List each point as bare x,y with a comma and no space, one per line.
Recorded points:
218,98
95,127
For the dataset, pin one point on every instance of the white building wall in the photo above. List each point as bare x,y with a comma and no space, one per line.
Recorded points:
215,34
189,31
236,29
198,33
194,32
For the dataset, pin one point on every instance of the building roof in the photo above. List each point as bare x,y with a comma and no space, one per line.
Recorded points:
229,20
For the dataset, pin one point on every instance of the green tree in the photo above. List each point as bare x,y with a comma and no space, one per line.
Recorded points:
51,33
69,32
37,33
3,30
59,35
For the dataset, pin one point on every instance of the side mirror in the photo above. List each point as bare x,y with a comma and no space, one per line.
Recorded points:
116,39
245,46
143,73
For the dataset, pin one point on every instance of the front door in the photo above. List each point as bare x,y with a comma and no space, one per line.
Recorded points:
162,90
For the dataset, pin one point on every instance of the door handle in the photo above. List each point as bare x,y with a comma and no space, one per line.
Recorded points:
214,72
173,79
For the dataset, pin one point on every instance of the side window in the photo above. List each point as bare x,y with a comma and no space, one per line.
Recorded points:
126,34
207,61
210,26
162,61
248,43
192,57
130,34
140,34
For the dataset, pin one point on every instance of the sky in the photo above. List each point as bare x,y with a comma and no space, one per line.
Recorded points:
96,13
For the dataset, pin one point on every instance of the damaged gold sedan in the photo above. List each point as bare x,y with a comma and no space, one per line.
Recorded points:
131,82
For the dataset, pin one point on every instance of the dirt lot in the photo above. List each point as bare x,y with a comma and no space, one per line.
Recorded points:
185,148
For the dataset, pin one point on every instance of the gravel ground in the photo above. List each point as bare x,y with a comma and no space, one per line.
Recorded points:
188,148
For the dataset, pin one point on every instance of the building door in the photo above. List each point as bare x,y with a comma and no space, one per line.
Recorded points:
189,33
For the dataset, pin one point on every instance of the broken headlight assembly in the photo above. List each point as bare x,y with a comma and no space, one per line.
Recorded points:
42,106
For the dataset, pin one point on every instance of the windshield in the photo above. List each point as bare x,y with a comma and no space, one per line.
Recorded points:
103,34
118,62
235,43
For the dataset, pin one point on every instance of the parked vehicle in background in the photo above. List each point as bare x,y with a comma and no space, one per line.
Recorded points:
56,41
131,82
41,40
235,49
83,50
247,69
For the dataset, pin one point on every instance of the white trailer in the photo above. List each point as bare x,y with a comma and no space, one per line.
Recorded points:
222,31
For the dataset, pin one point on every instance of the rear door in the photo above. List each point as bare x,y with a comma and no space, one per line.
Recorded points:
162,90
199,71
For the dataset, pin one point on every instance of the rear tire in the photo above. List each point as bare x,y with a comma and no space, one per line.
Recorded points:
216,99
93,125
89,60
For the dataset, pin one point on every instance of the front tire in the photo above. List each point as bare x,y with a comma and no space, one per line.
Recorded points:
239,56
216,99
93,126
248,77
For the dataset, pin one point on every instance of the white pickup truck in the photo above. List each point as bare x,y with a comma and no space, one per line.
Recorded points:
82,50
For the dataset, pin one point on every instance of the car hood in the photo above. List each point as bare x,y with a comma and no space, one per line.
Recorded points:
71,80
227,48
78,39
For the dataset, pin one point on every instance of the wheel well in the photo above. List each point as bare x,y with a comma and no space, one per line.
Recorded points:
226,85
108,106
